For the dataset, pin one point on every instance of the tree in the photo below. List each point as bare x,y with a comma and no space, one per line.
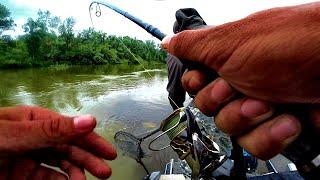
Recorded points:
36,33
50,40
66,32
39,34
6,22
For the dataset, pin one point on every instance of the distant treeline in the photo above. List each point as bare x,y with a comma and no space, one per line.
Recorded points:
48,40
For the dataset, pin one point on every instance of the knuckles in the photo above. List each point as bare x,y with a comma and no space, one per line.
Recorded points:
56,128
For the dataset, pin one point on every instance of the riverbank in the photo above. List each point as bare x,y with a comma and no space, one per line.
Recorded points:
25,65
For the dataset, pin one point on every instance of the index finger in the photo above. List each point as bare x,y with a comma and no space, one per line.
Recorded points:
97,145
28,113
211,46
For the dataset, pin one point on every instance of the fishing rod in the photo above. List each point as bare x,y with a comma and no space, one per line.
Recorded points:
304,151
155,32
146,26
173,125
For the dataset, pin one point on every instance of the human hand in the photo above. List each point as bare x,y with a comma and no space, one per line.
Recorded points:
48,137
271,57
31,169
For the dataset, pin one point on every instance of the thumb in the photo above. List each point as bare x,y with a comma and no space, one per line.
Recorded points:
22,136
211,46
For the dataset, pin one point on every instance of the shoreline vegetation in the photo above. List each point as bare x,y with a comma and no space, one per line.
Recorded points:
50,41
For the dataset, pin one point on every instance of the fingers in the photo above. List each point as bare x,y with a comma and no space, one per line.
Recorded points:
34,113
78,157
240,115
97,145
315,118
271,137
210,46
42,172
193,81
25,169
27,113
213,95
10,113
89,156
22,169
23,136
185,41
92,143
74,172
251,121
81,158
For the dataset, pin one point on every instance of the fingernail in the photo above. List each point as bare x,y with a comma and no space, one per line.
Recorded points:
193,83
165,42
284,128
252,108
221,91
84,122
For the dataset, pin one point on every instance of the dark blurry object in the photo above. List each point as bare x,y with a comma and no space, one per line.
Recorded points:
186,19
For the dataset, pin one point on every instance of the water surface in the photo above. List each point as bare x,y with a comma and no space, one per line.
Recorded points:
122,97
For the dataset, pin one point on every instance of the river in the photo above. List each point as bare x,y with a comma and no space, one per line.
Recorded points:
121,97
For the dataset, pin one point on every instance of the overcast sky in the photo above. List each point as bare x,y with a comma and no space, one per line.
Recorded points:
159,13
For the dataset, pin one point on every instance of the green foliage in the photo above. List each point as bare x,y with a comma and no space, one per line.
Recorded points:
6,21
14,55
51,41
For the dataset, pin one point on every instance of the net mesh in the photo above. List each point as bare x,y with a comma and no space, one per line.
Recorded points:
129,144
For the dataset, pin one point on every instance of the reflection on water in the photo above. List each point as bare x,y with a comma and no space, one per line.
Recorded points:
68,89
121,97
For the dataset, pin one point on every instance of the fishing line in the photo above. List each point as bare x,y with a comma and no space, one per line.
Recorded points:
98,13
177,126
202,153
304,151
130,144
